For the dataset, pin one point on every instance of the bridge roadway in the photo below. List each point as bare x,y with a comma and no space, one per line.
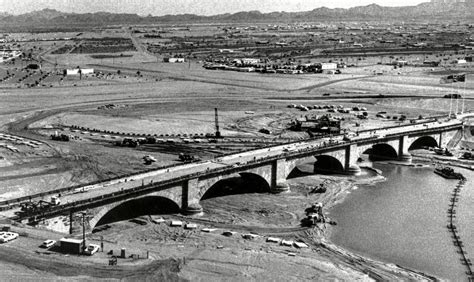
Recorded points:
81,197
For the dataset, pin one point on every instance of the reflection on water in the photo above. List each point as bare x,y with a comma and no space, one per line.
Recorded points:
403,221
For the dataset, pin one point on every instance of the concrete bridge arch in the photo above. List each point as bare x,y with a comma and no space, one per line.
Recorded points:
423,141
166,201
235,183
381,150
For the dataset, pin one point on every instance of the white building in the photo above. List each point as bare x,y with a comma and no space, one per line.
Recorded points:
250,61
173,60
76,71
328,66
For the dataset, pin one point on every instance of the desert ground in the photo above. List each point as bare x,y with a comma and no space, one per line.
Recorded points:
138,95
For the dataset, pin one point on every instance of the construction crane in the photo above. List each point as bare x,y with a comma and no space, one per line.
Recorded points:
218,133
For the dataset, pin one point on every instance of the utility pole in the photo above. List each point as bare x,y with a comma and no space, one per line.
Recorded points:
450,105
83,231
71,219
218,133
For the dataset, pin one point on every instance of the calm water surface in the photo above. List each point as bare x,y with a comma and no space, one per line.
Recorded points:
403,220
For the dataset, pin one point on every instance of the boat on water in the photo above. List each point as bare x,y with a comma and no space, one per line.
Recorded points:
448,172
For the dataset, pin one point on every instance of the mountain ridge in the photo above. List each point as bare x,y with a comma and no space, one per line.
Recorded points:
424,12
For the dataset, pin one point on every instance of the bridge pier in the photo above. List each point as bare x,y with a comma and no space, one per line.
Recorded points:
405,157
193,210
278,178
353,170
190,200
350,163
281,187
403,154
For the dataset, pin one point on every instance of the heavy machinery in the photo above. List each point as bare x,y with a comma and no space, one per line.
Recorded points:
186,157
41,205
129,142
314,215
62,137
149,160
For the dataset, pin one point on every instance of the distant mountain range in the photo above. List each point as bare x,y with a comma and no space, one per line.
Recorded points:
422,12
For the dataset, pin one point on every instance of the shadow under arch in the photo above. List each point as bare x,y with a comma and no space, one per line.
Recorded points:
381,152
322,164
425,141
328,165
151,205
244,184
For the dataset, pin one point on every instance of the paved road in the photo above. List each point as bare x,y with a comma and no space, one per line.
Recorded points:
125,183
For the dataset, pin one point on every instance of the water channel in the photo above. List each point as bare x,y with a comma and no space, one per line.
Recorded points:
403,220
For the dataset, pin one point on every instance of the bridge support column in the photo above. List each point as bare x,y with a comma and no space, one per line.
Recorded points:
190,201
278,179
403,154
350,164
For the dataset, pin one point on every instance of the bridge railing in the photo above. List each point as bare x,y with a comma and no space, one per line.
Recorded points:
6,204
160,185
79,186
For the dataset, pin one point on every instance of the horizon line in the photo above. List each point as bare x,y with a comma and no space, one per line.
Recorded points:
203,15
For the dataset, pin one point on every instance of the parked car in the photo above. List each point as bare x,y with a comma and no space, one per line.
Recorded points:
48,244
92,249
7,236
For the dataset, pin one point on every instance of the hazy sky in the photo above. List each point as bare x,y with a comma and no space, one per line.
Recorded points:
201,7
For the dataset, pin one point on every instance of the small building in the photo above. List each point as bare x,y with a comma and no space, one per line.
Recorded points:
323,124
71,245
79,71
226,50
72,72
328,66
33,66
173,60
400,63
250,61
87,71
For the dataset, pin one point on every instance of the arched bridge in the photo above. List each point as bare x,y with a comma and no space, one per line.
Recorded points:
181,188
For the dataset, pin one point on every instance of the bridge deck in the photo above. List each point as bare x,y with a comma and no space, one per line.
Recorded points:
236,162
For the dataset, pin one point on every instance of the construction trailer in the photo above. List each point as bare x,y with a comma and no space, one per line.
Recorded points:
71,245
